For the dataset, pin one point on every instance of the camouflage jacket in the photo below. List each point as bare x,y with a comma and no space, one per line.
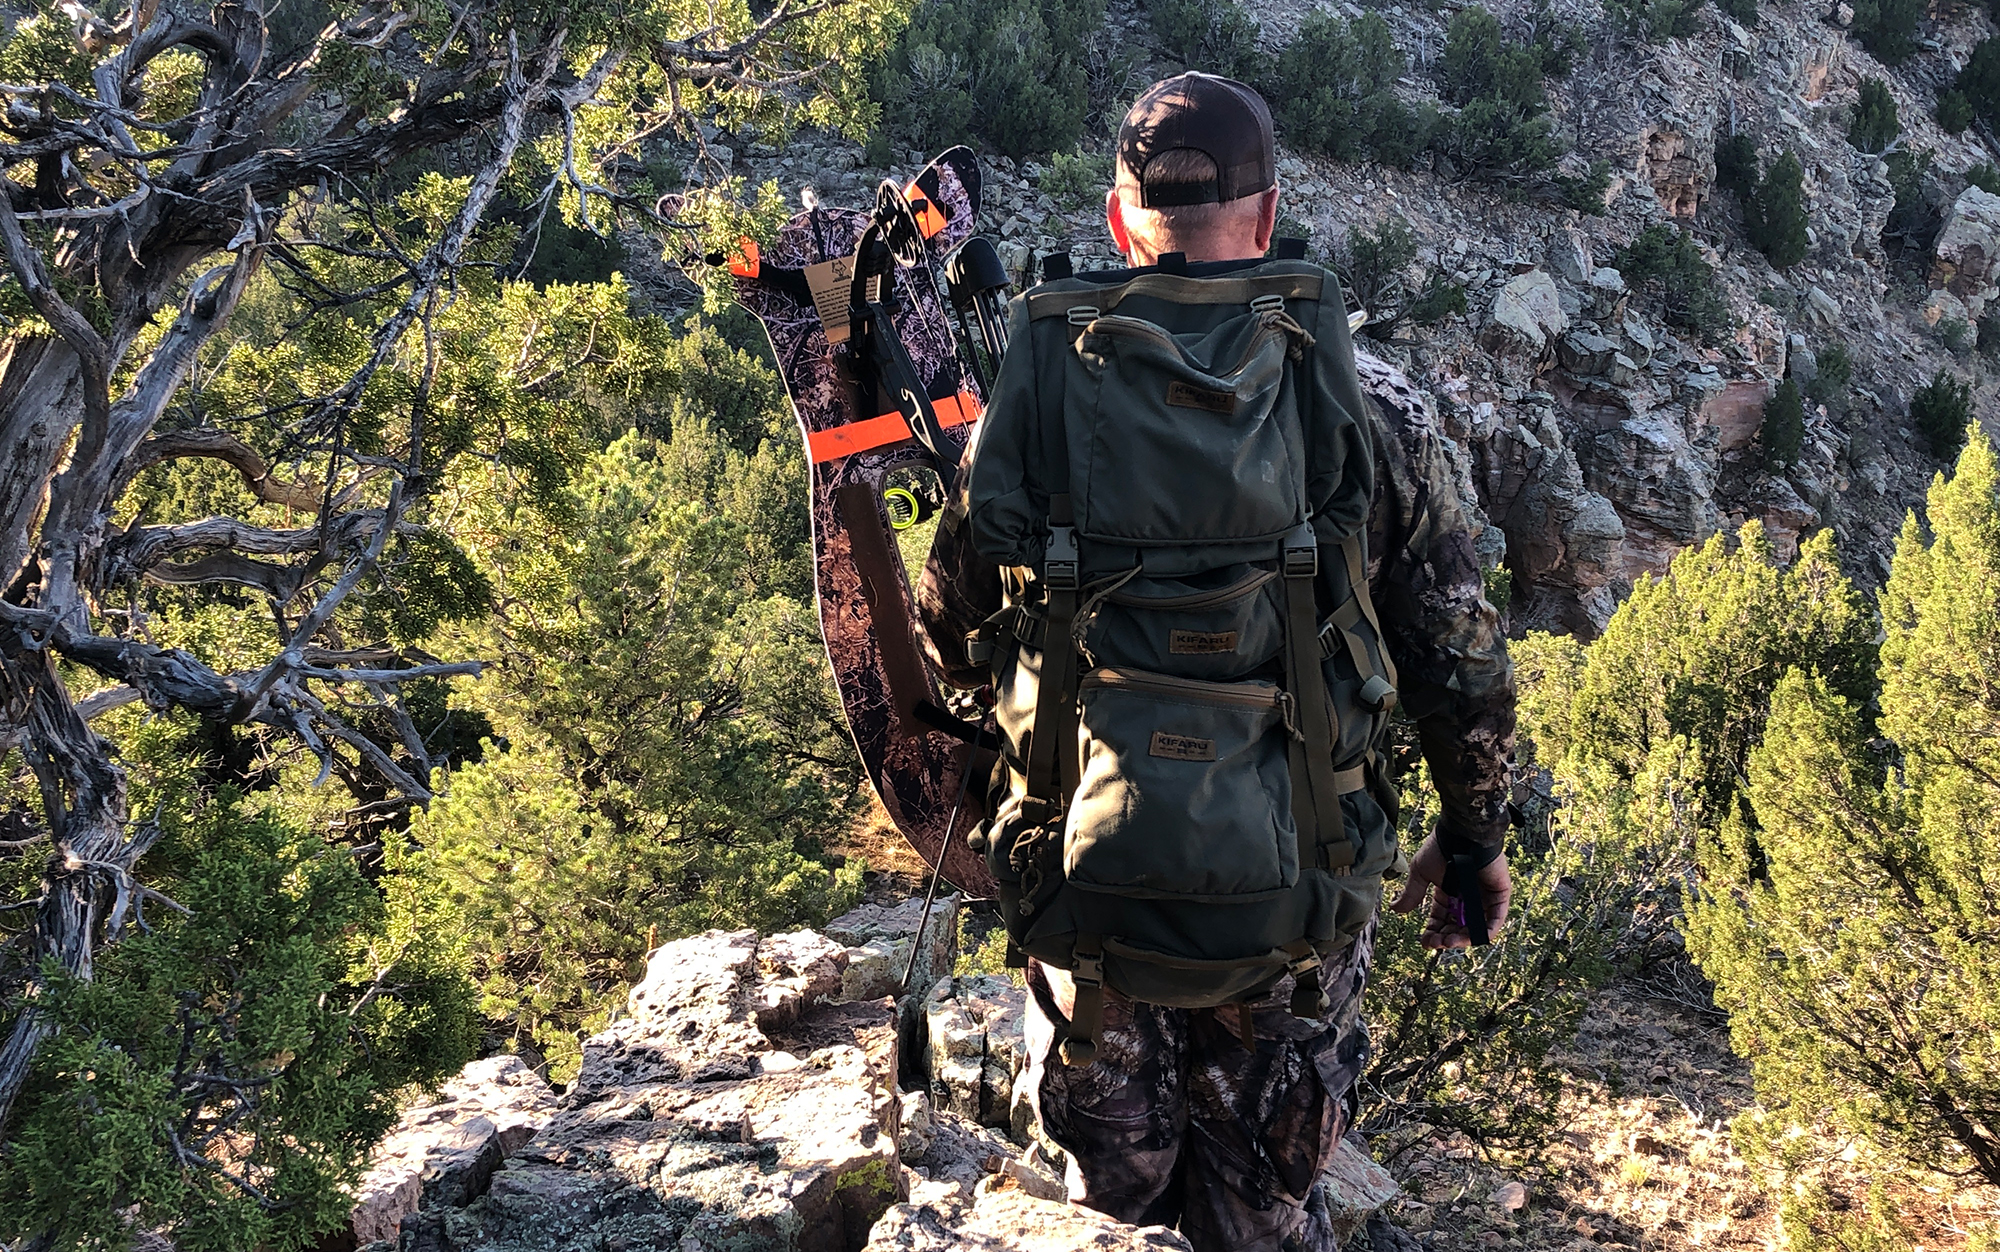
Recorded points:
1448,643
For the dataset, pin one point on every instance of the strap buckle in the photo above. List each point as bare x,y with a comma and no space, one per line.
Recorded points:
1301,552
1082,314
1329,638
1269,303
1059,565
1089,970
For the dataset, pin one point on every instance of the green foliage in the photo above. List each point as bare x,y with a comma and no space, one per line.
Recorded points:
1846,920
1955,333
1479,60
1651,21
1375,270
1874,125
1216,36
1742,12
1979,81
1939,412
1647,731
1829,382
1666,258
1502,131
983,951
1737,167
1984,175
1334,92
223,1076
1462,1040
1784,426
672,746
1954,112
1913,217
1009,72
1889,28
1076,180
1775,216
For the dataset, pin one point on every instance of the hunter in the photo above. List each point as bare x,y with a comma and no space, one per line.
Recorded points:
1206,547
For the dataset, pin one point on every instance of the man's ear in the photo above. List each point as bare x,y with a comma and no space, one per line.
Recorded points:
1114,217
1267,218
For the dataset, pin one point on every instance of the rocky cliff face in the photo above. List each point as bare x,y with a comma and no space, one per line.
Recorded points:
748,1102
1598,439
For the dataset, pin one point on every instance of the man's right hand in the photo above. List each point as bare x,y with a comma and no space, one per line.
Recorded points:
1445,928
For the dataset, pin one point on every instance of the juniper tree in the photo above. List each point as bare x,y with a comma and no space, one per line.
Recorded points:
1784,426
1847,921
1874,125
1775,217
1736,163
1939,411
160,167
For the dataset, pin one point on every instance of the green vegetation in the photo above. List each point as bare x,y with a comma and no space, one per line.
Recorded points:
1375,270
1651,21
1736,164
1742,12
1011,73
1218,36
1954,112
1978,84
1889,28
1076,180
278,1014
1913,218
1784,426
1333,91
1858,872
1874,126
1774,216
1666,259
1939,412
1835,369
1985,176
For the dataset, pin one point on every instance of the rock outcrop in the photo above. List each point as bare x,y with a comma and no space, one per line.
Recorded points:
745,1104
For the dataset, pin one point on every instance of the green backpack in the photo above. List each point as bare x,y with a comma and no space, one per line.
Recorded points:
1175,475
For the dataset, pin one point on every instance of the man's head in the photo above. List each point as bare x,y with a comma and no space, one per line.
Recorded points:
1197,172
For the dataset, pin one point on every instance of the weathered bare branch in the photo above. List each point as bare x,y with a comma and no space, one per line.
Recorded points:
222,446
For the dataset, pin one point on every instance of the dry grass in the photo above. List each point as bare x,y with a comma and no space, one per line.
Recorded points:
1644,1160
895,870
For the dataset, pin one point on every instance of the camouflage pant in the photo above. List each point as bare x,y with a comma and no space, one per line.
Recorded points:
1177,1121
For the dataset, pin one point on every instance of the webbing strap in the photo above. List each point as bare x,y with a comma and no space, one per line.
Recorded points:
1178,289
1052,765
1086,1017
1309,999
1321,823
1357,581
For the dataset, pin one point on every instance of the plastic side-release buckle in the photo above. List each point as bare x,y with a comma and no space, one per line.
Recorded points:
1301,552
1059,564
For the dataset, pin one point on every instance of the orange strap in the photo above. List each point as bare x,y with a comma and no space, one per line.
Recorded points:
930,218
877,432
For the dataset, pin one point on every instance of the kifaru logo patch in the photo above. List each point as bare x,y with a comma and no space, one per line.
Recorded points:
1181,747
1188,396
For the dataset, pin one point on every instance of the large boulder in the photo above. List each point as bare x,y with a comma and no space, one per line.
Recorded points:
444,1152
975,1047
1012,1220
1527,315
879,939
735,1107
1965,260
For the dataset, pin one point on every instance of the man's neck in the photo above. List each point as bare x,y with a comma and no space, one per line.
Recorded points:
1141,255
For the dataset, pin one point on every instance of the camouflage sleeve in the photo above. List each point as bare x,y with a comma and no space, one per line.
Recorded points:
1447,641
959,590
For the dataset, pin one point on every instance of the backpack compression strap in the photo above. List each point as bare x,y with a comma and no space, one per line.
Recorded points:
1315,804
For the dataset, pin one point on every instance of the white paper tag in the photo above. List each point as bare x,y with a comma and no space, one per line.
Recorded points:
832,284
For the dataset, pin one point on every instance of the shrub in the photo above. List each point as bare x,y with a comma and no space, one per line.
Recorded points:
1775,217
1736,164
1334,93
1502,132
1010,72
1955,333
1667,259
1829,382
1985,176
1874,126
1784,426
1076,180
1651,21
1913,219
1979,81
1846,917
1218,36
1939,411
1376,270
1479,60
224,1074
1889,28
1743,12
1954,112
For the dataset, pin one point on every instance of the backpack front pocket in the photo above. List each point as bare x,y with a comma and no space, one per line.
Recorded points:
1219,626
1185,789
